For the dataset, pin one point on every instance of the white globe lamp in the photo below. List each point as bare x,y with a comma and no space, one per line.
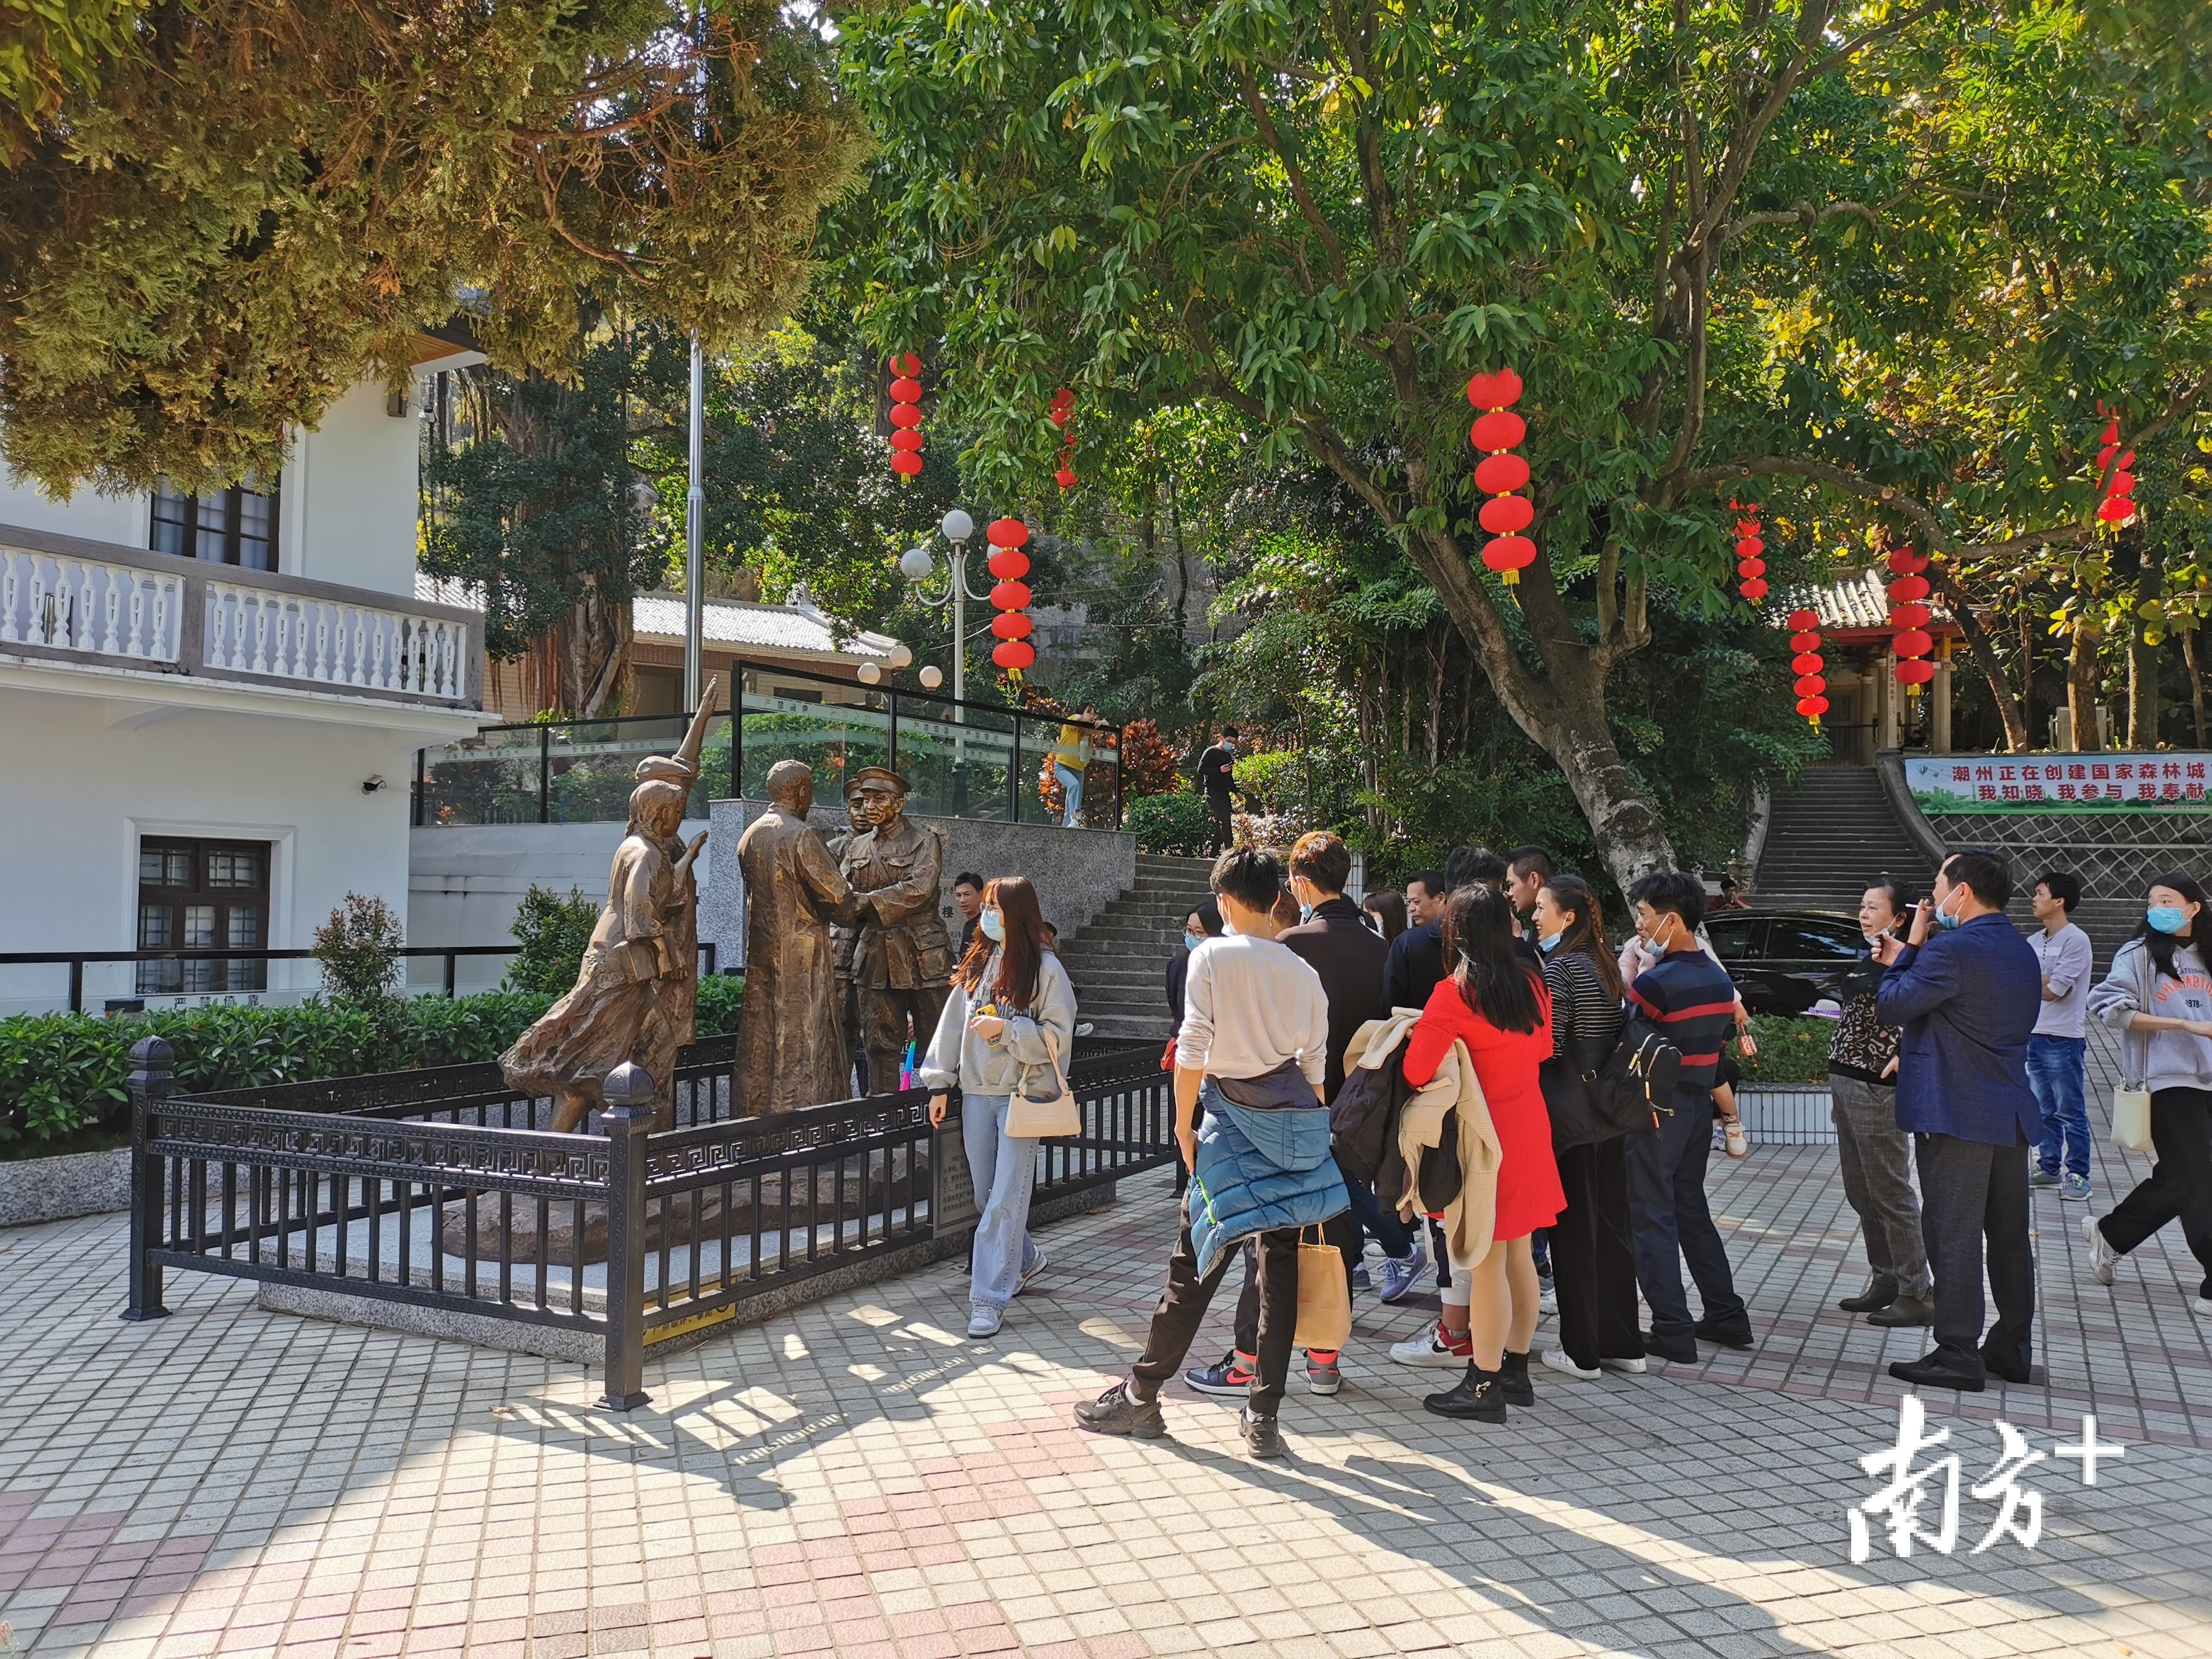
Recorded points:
915,564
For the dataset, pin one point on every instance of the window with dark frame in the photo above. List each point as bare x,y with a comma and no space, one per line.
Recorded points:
229,526
202,896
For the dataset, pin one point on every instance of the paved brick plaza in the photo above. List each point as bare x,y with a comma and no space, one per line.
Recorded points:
859,1479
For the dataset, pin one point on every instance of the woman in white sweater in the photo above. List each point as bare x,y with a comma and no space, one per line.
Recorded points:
2159,992
1011,1012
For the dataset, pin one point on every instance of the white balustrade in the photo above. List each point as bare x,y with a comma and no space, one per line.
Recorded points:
334,642
87,605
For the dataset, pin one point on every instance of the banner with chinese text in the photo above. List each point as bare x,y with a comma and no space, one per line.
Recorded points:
2059,783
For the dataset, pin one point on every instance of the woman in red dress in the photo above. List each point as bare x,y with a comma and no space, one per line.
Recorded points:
1494,1002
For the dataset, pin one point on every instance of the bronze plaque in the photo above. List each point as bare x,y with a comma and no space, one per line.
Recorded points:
951,1187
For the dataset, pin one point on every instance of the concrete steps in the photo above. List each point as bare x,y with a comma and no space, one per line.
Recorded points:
1119,960
1830,837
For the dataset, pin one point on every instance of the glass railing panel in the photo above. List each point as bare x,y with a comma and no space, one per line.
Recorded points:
955,769
490,778
836,737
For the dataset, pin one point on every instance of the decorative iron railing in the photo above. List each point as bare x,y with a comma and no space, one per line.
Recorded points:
443,1188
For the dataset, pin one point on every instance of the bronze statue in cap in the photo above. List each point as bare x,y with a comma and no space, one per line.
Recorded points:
902,958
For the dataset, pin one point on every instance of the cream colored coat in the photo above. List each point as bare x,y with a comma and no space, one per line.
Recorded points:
1470,1220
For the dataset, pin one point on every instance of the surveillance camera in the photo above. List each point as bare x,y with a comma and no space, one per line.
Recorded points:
370,786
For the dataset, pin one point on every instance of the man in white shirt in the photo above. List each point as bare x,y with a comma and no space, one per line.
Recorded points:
1255,1043
2061,1039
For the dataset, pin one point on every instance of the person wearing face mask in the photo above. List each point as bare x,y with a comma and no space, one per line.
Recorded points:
1011,1010
1875,1155
1593,1250
1965,987
1216,781
2166,967
1688,998
1386,914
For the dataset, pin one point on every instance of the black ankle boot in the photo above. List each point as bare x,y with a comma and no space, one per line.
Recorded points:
1477,1397
1513,1384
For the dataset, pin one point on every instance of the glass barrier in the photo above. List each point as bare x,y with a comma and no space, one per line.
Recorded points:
836,731
592,765
955,769
494,777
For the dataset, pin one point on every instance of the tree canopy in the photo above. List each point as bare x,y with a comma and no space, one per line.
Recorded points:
216,215
1881,262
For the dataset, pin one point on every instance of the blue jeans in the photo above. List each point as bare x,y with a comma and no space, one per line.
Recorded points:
1071,785
1674,1224
1003,1171
2054,1072
1370,1218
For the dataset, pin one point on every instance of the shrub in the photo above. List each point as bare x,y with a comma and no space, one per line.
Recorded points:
359,950
552,930
1180,824
1791,1049
1148,762
720,996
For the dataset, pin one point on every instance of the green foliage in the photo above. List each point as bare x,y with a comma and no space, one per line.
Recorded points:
552,930
1181,824
359,951
205,242
49,48
64,1073
1791,1049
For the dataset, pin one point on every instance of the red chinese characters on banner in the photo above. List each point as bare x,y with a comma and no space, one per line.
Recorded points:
1805,662
1009,596
906,414
1500,473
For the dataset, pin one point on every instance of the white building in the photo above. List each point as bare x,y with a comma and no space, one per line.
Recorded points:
208,711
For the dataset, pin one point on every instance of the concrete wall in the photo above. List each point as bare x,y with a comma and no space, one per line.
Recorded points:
464,883
84,778
1077,872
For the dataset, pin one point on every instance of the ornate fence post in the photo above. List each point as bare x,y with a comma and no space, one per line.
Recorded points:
151,1083
628,1093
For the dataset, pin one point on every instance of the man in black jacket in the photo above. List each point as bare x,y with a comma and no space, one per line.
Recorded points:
1217,777
1416,961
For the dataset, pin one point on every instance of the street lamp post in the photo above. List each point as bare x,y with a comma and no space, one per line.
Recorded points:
920,566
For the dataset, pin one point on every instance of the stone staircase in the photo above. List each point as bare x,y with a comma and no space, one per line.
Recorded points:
1827,839
1119,958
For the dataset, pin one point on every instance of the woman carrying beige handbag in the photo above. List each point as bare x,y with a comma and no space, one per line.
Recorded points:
2165,967
1010,1017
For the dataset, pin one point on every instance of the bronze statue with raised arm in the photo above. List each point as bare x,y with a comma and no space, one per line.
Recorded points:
637,992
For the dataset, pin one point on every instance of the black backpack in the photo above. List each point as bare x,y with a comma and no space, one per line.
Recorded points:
1593,1094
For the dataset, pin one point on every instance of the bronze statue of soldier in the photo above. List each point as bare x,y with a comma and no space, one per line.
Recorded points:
845,937
792,1050
902,958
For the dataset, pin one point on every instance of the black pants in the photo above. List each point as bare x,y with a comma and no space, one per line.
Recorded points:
1974,1194
1222,833
2180,1184
1593,1256
1338,1230
1183,1304
1674,1225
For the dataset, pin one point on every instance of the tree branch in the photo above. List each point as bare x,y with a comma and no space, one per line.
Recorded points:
1887,495
1800,212
1299,189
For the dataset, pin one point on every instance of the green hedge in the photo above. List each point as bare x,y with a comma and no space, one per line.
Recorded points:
63,1073
1791,1049
1177,823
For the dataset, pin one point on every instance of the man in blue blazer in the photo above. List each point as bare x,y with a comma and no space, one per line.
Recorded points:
1967,996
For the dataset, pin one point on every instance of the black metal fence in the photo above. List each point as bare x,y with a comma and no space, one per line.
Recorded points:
440,1188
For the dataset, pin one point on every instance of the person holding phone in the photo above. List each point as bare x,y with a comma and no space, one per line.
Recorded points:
1012,1009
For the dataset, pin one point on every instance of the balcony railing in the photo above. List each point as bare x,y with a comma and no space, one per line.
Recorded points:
973,760
67,599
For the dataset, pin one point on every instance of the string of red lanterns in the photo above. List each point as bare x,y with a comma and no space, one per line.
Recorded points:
1807,663
1009,596
2118,504
906,414
1499,474
1063,411
1748,564
1909,615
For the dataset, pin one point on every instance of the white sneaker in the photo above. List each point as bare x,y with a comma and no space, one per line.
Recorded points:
1547,1295
1030,1272
2202,1306
1634,1367
2103,1258
1557,1360
984,1321
1429,1348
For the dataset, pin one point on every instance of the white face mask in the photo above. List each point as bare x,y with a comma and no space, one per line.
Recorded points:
993,924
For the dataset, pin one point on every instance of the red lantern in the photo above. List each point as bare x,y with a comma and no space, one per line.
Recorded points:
1011,596
1494,391
905,364
1504,515
1912,674
1011,625
906,463
1007,532
905,415
1499,429
1008,564
1750,548
1909,588
1509,555
2116,510
1904,562
1749,565
1805,641
1908,616
1013,655
905,390
1914,643
1499,475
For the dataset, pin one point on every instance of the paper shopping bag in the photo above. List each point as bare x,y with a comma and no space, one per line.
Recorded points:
1324,1298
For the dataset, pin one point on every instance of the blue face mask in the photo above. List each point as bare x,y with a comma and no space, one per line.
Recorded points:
2166,918
1550,944
1192,941
993,926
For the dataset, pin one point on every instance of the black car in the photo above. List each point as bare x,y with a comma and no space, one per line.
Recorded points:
1783,961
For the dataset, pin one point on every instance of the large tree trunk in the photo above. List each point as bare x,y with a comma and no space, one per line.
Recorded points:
2142,691
2081,676
1985,659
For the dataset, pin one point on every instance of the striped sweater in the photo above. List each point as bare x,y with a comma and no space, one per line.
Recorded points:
1692,1001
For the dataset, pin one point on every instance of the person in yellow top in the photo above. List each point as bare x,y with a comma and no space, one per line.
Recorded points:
1071,756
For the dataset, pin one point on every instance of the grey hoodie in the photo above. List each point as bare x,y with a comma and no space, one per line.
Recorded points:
2160,1059
956,1055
